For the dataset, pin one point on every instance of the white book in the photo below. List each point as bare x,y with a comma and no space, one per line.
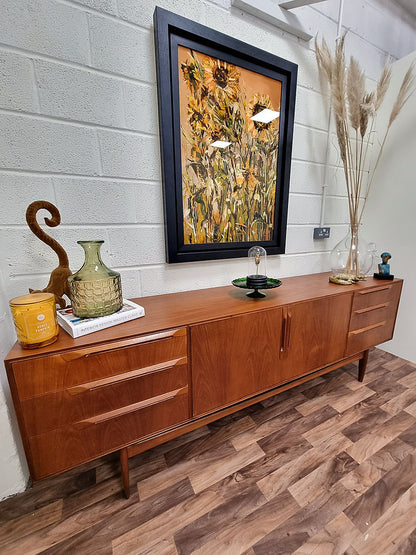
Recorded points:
81,326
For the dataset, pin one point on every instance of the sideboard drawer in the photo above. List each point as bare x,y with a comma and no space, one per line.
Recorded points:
373,316
364,317
63,448
62,408
71,368
364,338
373,297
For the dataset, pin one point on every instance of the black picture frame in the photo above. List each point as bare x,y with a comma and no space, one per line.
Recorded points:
172,31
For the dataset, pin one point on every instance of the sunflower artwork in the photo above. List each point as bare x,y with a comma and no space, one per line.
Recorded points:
229,150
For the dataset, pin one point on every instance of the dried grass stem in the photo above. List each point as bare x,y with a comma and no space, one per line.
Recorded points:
355,111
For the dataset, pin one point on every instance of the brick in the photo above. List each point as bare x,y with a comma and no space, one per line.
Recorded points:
136,246
23,253
46,27
17,191
300,239
129,155
309,144
140,12
140,107
304,209
33,144
17,91
19,285
336,210
79,95
299,264
311,109
170,278
306,178
121,49
106,6
130,282
149,204
103,202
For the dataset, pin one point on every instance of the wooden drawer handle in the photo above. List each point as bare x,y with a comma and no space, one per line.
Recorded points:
375,307
96,384
385,288
132,408
368,328
98,349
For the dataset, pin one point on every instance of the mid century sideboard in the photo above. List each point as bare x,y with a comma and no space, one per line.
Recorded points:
196,356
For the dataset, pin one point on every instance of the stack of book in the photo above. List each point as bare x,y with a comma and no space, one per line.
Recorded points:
81,326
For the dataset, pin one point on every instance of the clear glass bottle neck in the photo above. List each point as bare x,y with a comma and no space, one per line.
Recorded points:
92,252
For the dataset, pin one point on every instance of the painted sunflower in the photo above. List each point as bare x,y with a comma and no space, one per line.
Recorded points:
193,72
197,115
259,130
222,80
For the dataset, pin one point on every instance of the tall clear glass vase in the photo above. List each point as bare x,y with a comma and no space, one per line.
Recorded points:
95,290
351,257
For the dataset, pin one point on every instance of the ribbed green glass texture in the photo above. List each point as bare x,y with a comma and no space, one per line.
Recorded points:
95,290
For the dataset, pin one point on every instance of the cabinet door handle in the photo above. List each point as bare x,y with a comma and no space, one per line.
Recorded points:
132,408
96,384
286,327
283,338
289,328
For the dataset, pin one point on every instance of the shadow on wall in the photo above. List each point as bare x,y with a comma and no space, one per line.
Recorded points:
14,474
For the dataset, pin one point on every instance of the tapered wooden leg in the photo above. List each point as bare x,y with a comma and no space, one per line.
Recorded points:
124,462
362,365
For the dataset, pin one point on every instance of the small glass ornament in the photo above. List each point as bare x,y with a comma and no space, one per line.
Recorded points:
257,270
95,290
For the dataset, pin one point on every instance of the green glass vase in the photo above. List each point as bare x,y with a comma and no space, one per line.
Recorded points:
95,290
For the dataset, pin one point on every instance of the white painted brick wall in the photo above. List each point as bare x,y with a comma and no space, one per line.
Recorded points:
17,87
54,147
79,127
46,27
129,155
79,94
122,49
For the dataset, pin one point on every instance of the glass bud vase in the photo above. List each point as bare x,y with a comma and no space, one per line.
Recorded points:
351,256
95,290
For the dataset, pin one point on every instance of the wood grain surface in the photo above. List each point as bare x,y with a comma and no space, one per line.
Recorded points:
327,467
193,307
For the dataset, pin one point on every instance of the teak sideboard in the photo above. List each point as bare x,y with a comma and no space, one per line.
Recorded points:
196,356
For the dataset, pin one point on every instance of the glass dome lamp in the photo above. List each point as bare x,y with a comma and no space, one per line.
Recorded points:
257,268
257,274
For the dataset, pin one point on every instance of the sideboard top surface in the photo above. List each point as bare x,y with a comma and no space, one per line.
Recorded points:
191,307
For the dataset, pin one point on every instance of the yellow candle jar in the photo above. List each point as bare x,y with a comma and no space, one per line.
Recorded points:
35,319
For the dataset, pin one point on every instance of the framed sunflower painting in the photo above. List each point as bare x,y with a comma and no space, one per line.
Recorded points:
226,123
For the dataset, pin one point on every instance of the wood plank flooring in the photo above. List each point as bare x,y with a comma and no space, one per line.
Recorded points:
326,468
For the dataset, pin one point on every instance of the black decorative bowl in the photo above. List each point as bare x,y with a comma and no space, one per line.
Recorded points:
256,294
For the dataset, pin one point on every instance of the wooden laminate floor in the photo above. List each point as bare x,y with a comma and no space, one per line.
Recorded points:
328,467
